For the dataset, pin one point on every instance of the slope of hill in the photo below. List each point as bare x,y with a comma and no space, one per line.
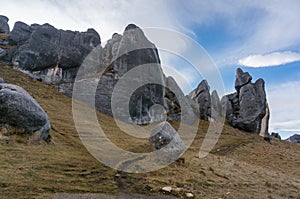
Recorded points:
241,165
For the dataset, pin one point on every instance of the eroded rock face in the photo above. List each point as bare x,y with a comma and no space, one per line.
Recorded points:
134,55
202,97
7,55
216,107
4,27
247,108
20,33
165,138
48,48
19,110
177,105
242,78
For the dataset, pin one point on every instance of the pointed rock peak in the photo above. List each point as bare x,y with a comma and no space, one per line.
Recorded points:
116,37
170,78
260,82
203,85
134,39
239,72
215,95
48,25
131,27
91,30
242,78
4,18
133,30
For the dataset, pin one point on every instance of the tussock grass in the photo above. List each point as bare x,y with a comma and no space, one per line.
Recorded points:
241,165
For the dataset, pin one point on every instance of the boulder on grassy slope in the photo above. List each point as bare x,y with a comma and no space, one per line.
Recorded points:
166,139
18,110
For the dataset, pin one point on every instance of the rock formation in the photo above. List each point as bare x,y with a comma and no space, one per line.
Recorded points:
47,53
132,52
247,108
294,138
48,47
4,27
202,97
19,111
177,105
216,107
132,85
275,135
20,33
165,138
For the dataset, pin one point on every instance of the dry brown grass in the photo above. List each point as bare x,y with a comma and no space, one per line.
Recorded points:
240,166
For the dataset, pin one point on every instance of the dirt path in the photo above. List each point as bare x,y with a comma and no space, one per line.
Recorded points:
104,196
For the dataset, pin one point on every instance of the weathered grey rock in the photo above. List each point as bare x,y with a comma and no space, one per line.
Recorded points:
230,103
276,135
1,80
20,33
48,48
19,110
242,78
176,103
294,138
201,96
124,53
165,138
4,27
7,55
216,107
247,109
252,101
111,50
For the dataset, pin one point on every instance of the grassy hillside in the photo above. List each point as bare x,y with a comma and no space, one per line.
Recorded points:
240,166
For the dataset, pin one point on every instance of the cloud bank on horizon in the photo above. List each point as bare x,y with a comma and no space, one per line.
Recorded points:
257,34
272,59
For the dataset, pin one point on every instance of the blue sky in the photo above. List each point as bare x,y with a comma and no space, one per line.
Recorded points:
261,36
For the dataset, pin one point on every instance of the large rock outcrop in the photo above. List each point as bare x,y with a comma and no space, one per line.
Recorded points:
247,108
4,27
18,110
294,138
177,105
47,53
48,47
201,96
20,33
130,69
54,56
134,55
216,107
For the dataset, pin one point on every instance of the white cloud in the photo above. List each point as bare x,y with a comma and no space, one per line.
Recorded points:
272,59
284,107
